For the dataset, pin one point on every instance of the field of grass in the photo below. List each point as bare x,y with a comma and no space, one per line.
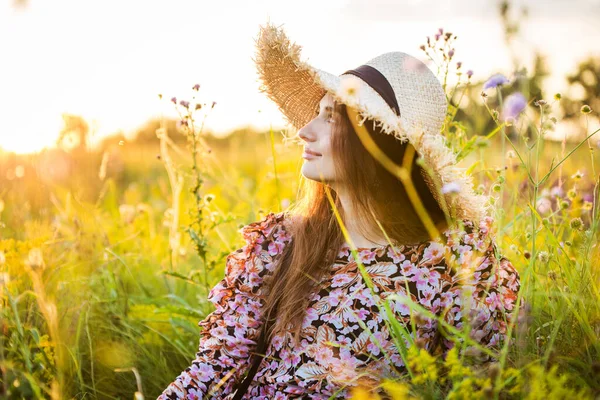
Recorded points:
106,260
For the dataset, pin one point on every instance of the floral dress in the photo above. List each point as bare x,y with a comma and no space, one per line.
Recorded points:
335,350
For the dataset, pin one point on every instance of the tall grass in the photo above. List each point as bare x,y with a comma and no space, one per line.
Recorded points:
101,297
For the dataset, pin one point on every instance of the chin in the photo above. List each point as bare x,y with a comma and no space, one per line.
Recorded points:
313,174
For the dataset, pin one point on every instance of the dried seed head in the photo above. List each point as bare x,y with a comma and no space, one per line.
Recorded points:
586,109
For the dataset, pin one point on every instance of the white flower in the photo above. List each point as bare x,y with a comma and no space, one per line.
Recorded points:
451,187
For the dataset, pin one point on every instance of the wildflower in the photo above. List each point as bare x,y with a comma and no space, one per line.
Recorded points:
527,255
451,187
184,103
35,260
587,205
174,100
495,81
510,154
496,187
198,106
422,47
213,105
441,31
469,73
577,175
557,96
513,106
196,87
544,206
577,223
458,65
552,275
437,36
557,191
564,205
543,256
127,212
451,53
586,109
571,194
540,103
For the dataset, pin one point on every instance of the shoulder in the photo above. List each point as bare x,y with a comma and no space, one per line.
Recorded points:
269,233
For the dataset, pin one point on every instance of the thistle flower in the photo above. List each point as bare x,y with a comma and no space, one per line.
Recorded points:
196,87
458,64
184,103
451,53
495,81
513,106
576,223
174,100
469,73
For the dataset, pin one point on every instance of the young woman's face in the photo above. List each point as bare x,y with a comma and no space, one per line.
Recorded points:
317,142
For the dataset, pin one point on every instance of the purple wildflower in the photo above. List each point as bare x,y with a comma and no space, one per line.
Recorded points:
458,65
196,86
470,73
451,53
513,106
495,81
174,100
184,103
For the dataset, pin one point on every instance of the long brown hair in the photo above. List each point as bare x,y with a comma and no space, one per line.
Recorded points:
315,232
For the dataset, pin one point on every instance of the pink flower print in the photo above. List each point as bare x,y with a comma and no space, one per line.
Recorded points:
373,348
311,315
434,253
366,256
408,268
277,342
340,280
426,298
226,361
335,296
494,301
395,255
219,332
344,341
426,277
254,279
446,299
202,372
344,252
399,307
332,319
290,358
275,247
361,314
324,355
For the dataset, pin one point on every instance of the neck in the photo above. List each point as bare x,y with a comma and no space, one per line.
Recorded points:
353,224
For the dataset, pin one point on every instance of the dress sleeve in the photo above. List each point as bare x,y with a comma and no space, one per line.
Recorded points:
229,334
478,290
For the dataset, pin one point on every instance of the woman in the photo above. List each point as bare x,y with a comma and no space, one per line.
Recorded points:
295,294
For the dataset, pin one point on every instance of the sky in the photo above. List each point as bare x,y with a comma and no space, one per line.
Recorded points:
108,60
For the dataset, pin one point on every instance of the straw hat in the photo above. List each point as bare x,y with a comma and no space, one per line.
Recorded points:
399,92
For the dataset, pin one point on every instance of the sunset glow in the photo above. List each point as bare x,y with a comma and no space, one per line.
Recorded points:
107,61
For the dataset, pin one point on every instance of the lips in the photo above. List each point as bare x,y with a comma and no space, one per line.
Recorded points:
314,153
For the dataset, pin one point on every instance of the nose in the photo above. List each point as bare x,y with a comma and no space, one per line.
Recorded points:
306,133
